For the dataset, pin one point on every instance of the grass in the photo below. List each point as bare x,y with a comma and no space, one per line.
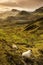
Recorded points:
25,40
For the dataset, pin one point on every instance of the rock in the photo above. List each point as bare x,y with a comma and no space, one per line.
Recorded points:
14,46
27,54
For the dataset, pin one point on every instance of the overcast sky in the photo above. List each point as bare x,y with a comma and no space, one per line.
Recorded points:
26,4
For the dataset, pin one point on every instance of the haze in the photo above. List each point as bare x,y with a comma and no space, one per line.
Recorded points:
29,5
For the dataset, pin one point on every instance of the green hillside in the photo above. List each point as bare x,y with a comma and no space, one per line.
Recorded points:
25,29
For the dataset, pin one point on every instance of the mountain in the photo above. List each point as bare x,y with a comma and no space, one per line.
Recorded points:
16,17
25,30
40,10
12,12
24,13
36,22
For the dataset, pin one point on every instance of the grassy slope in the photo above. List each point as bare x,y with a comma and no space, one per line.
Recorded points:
23,39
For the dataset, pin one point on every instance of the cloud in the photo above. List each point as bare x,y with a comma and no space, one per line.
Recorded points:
2,1
30,4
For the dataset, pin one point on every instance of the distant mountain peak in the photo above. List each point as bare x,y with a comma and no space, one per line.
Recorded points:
40,10
14,10
23,13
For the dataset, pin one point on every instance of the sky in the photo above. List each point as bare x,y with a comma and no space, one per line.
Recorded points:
30,5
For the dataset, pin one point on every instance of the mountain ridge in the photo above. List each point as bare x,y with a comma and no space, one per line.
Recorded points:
16,17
